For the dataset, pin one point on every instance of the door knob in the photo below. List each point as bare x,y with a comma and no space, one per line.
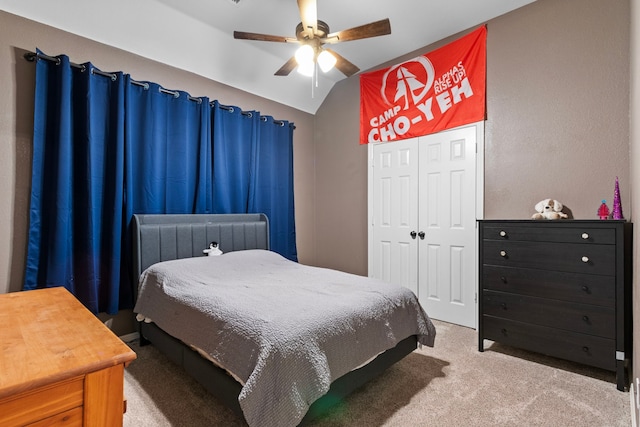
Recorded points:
413,234
421,234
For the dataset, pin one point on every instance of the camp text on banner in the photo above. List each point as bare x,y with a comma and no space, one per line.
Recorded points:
440,90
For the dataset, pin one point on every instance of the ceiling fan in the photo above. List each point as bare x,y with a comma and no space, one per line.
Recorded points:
312,34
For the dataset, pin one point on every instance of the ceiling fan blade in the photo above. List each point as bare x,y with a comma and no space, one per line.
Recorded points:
287,67
309,16
263,37
374,29
344,65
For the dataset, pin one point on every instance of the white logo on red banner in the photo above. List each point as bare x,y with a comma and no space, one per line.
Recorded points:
427,94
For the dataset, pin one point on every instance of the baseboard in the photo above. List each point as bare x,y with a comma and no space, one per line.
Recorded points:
634,406
130,337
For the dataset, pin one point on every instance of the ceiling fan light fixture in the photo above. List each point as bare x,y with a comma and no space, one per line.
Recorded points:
304,55
326,61
306,69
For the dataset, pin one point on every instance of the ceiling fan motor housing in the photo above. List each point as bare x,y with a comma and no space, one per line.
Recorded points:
321,32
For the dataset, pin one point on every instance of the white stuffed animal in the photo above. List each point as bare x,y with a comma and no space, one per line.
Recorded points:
212,250
549,209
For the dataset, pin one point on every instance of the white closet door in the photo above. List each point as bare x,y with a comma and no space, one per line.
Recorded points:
428,185
447,216
395,213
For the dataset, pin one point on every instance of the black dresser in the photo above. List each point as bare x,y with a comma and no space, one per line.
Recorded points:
561,288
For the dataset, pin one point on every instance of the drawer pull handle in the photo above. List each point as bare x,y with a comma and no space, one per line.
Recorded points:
503,254
585,236
585,318
504,332
503,305
585,349
586,289
503,279
503,233
585,259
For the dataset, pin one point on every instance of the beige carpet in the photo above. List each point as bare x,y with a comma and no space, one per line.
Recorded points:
450,385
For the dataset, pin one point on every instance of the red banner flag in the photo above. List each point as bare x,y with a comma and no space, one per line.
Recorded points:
440,90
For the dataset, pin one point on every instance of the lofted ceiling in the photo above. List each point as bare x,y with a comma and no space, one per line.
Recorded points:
197,35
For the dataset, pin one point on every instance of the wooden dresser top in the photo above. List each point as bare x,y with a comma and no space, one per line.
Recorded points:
47,335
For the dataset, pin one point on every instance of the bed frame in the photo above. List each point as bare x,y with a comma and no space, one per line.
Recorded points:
165,237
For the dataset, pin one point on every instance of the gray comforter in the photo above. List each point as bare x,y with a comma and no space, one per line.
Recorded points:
286,330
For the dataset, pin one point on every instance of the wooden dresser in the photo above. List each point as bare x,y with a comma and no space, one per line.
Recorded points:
562,288
59,365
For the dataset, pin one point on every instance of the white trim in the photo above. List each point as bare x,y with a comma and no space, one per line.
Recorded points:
369,209
634,407
479,169
130,337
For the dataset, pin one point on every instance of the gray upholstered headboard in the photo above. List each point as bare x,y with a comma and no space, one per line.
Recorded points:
165,237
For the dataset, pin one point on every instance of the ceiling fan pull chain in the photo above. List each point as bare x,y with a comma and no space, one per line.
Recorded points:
313,83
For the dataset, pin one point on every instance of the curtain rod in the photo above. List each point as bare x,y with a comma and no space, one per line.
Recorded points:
249,114
231,109
32,56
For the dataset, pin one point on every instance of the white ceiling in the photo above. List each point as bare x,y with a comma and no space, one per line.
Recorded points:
197,35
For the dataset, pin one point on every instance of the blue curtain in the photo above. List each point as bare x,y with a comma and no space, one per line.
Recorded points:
106,147
76,206
234,142
168,146
272,187
253,171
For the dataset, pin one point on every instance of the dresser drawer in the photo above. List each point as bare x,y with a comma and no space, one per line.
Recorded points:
582,318
535,233
44,402
587,349
571,257
573,287
70,418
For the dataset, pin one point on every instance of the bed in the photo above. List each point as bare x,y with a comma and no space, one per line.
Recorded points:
276,341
